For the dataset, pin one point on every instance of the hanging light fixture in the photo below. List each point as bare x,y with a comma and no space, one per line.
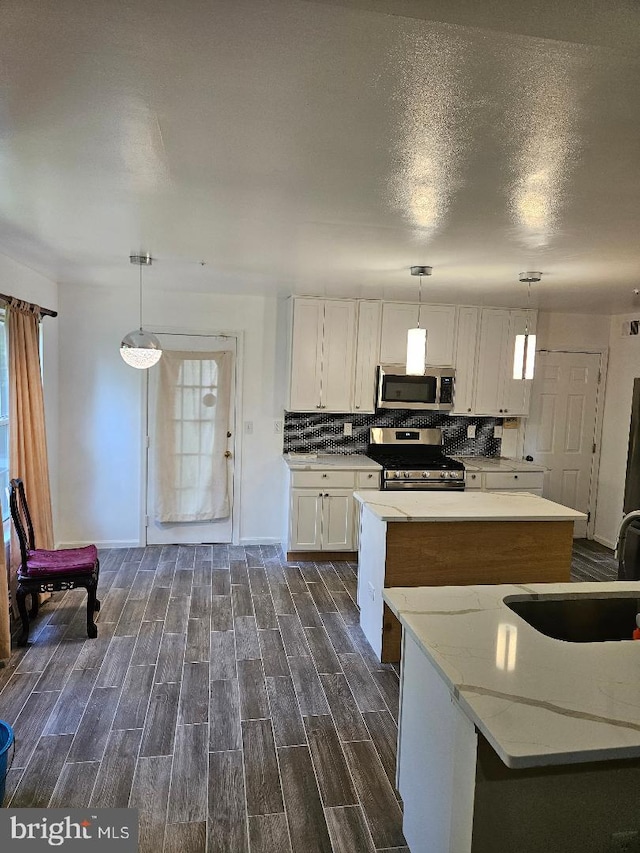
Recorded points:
139,348
417,338
524,355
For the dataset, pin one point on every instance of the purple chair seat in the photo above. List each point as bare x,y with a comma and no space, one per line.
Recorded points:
49,571
41,562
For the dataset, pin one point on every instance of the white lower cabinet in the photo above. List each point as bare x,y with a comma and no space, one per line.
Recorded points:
305,520
322,511
321,521
505,481
336,522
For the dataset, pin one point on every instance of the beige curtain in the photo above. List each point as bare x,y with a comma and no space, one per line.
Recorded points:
192,419
5,634
27,437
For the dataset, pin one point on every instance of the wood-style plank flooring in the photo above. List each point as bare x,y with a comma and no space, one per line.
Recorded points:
231,697
592,562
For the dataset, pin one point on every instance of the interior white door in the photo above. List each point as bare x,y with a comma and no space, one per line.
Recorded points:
193,420
561,428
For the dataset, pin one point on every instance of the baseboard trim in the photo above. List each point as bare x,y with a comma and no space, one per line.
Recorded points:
320,556
263,540
106,543
602,541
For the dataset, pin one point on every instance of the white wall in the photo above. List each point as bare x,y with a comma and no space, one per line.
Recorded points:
572,331
24,283
101,409
624,367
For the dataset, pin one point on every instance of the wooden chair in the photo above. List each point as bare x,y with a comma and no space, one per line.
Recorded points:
49,571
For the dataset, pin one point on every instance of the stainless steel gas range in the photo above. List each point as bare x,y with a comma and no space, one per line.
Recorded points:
413,459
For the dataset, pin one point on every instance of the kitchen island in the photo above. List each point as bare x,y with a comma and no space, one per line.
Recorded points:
512,740
451,538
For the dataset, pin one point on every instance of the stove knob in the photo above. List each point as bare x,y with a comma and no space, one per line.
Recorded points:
425,475
399,475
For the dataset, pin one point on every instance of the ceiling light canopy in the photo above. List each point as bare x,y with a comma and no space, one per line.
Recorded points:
417,338
141,349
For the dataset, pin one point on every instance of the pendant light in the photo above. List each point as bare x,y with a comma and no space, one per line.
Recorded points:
141,349
524,355
417,338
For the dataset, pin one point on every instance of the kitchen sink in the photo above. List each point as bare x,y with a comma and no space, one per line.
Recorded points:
580,618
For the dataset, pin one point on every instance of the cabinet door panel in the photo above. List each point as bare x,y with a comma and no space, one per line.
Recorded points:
337,521
440,323
466,350
494,334
305,520
338,355
367,355
306,355
397,319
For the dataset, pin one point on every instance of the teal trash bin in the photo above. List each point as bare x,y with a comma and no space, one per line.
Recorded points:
7,741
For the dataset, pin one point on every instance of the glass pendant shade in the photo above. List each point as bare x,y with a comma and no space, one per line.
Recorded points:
416,351
524,356
140,349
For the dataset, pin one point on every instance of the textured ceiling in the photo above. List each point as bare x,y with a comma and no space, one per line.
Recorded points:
325,147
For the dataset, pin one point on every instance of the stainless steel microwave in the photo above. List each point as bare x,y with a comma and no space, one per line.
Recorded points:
433,391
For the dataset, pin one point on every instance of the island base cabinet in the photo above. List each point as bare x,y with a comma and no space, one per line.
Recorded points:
573,808
459,797
470,552
436,760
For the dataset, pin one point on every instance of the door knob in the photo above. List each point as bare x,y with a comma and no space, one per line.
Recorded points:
227,454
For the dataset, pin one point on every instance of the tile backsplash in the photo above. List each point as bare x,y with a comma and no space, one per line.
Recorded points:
324,433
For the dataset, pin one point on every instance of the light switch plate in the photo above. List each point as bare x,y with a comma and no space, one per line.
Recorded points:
348,429
471,431
497,432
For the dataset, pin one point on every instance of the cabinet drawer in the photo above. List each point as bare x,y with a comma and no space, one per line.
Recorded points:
473,480
521,480
368,479
323,479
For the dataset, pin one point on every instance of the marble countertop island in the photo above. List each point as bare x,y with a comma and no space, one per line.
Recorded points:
538,701
463,506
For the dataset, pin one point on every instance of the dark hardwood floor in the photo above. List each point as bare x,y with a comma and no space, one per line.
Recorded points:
592,562
231,697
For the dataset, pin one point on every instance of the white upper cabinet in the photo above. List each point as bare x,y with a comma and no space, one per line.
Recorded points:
322,355
337,343
497,393
367,355
397,319
438,320
306,354
338,355
466,359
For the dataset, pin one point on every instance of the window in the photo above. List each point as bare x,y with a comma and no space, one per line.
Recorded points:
4,419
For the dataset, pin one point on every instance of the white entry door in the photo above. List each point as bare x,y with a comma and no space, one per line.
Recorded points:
185,421
561,430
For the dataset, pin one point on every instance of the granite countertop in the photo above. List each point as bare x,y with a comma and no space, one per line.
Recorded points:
537,700
497,463
335,461
464,506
